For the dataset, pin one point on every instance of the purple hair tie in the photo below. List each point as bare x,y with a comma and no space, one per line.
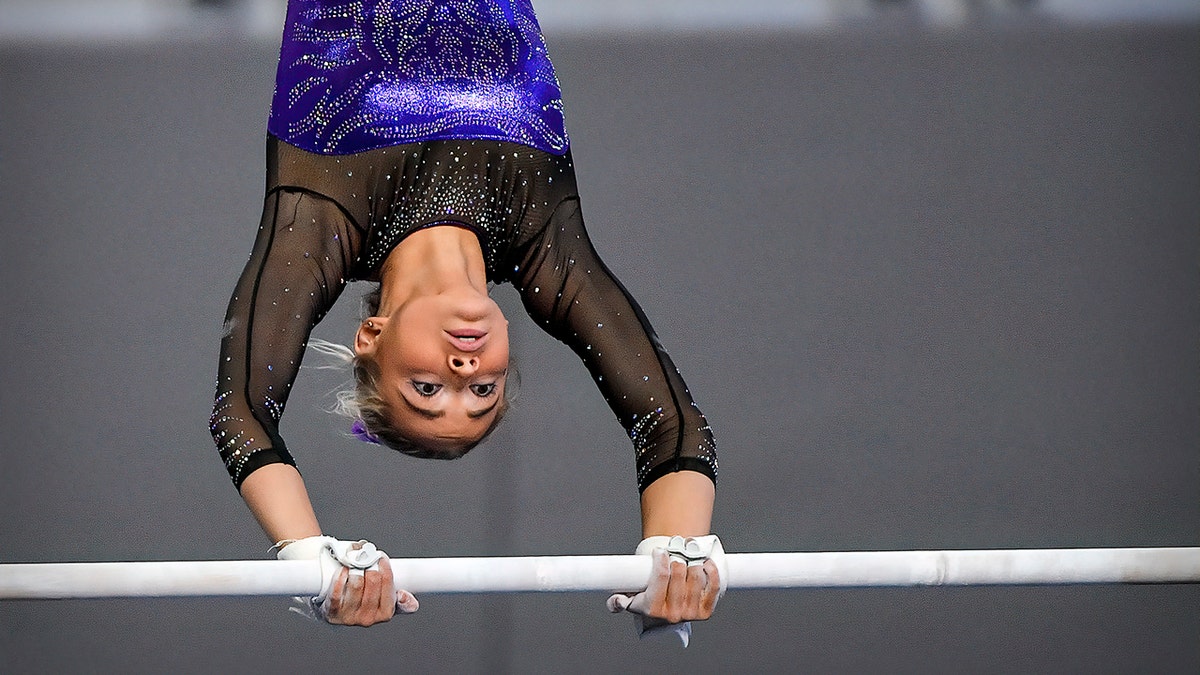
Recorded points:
360,430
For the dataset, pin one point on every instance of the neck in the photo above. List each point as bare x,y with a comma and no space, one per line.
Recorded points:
432,261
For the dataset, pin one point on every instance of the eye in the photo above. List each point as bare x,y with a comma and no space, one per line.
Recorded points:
426,388
484,390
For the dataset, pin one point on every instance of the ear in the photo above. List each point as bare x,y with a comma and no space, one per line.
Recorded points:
367,334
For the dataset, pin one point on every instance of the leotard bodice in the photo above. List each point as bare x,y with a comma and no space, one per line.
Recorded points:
358,75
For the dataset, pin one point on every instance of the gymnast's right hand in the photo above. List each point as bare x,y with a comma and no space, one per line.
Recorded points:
357,587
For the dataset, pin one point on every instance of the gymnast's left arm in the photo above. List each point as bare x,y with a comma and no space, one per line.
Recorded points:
572,295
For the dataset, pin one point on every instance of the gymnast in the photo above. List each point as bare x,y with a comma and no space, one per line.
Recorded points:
421,144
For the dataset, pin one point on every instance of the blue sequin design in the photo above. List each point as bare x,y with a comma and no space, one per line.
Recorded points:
366,74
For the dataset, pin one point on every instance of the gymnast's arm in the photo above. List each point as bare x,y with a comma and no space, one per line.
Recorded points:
294,274
569,292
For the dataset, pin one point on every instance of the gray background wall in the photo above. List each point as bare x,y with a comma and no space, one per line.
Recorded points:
933,289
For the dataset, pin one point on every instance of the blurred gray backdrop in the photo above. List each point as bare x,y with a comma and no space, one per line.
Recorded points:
935,287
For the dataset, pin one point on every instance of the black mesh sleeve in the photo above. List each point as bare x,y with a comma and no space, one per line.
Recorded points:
295,272
569,292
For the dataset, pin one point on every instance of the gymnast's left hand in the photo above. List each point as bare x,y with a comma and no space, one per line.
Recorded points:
676,592
685,585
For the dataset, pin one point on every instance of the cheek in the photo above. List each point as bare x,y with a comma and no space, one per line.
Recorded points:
502,342
499,356
414,351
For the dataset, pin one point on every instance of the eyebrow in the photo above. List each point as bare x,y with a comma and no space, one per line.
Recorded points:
480,413
438,414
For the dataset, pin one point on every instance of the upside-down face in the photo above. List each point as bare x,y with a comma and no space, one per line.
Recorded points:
443,365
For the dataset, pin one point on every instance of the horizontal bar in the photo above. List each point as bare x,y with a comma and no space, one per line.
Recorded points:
613,572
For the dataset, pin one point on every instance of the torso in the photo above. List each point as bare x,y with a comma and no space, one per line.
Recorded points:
367,74
395,115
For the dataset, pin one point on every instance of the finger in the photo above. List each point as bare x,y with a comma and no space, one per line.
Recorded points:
697,579
333,603
712,591
652,600
352,597
387,587
376,604
677,589
398,601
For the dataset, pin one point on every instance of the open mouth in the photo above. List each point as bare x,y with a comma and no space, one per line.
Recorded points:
467,339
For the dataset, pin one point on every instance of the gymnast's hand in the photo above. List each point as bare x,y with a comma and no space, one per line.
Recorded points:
357,587
366,597
685,584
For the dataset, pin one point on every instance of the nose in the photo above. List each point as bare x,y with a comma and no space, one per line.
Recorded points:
464,366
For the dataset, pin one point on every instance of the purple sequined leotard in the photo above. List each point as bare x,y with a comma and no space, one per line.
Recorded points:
395,115
366,74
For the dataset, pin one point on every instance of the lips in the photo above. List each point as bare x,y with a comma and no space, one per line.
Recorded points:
467,339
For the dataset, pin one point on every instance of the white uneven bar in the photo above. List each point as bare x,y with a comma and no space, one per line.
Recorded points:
609,573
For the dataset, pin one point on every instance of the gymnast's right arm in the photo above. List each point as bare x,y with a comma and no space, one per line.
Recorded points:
295,273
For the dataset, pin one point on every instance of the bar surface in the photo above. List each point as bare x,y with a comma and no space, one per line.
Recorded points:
605,573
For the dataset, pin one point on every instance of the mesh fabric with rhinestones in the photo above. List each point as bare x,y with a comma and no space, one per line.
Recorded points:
329,219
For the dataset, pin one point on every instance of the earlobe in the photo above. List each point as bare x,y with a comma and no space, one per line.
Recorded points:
368,332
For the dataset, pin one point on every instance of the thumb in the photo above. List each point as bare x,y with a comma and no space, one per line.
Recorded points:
619,602
406,603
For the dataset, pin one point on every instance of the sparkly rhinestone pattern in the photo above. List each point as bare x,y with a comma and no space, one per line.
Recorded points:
496,189
366,74
331,218
291,279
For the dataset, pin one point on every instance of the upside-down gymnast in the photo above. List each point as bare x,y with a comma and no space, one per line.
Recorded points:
421,144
